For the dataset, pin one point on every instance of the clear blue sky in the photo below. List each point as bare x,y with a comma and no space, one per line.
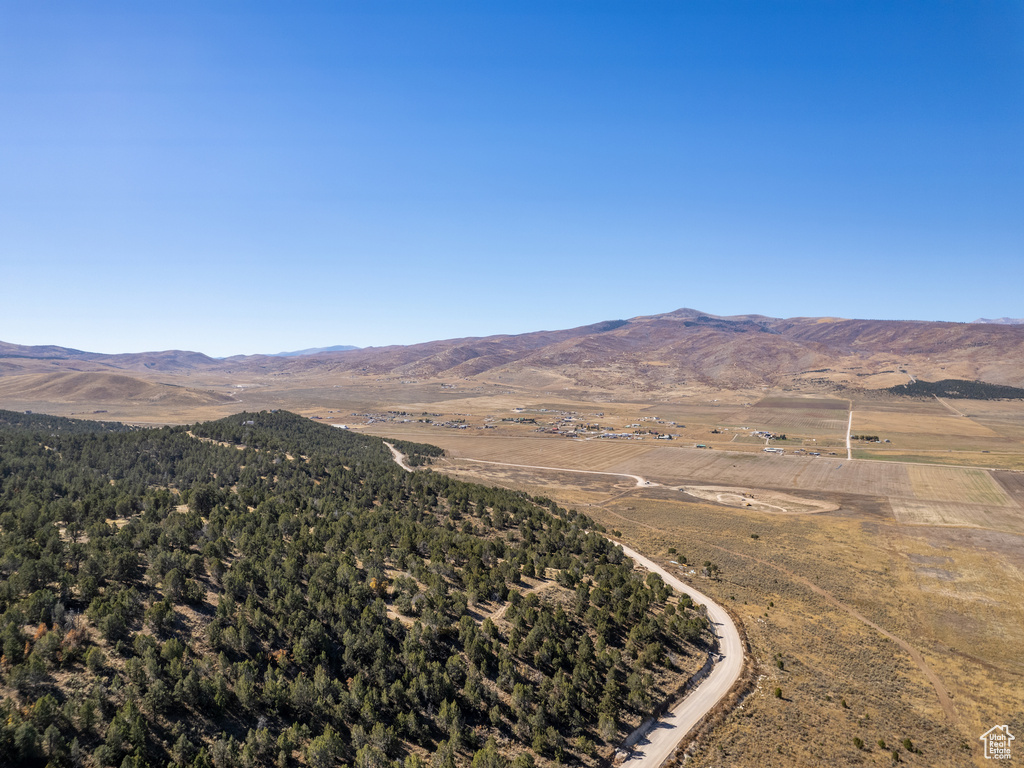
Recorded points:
238,177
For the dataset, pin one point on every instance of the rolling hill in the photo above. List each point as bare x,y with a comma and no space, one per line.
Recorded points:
654,353
98,387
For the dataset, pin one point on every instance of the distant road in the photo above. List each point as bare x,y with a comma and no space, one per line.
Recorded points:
849,427
666,734
950,407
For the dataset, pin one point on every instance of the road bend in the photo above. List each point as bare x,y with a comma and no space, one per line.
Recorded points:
398,456
664,736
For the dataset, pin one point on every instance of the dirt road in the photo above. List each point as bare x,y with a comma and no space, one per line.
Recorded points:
399,457
659,743
849,427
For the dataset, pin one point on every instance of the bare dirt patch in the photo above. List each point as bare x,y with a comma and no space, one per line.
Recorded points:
812,403
1012,483
772,502
938,513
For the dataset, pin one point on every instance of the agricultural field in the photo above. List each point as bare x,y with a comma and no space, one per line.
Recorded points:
800,421
958,514
541,451
904,405
982,459
939,425
995,439
971,486
1012,483
804,403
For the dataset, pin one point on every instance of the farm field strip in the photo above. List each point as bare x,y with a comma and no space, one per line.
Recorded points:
1013,484
1009,409
926,442
941,425
972,486
902,406
987,460
594,454
951,514
786,419
703,414
793,441
1010,430
756,470
804,403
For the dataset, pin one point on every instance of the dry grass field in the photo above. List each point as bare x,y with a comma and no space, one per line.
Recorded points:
971,486
804,403
982,459
958,514
790,420
935,425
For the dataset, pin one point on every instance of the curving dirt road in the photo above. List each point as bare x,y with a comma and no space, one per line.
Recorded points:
659,743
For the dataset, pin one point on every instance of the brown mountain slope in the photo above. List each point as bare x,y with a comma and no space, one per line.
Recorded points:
17,358
647,353
89,387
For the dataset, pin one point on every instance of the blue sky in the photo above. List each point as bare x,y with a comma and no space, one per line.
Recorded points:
239,177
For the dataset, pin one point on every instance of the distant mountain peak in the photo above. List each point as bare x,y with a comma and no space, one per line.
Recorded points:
315,351
1001,321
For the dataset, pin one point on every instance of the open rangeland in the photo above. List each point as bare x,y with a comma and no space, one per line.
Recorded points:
873,629
894,616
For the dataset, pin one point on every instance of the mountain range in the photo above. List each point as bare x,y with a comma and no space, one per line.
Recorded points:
653,353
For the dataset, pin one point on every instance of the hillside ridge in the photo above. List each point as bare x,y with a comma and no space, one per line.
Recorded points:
646,353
